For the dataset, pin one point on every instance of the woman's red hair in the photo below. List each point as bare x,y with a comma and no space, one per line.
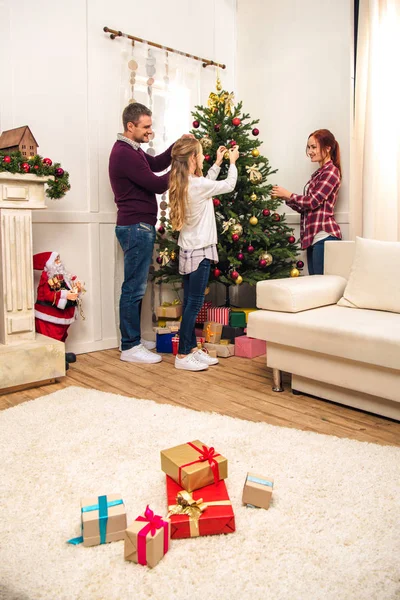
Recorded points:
326,139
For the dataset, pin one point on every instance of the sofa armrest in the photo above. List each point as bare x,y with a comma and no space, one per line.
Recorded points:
298,294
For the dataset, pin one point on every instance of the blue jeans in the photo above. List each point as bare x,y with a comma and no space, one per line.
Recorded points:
137,243
194,286
315,256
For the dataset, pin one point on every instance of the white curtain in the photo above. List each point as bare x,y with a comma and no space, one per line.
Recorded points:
172,97
375,186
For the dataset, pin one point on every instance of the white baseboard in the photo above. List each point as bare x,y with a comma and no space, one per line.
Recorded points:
92,346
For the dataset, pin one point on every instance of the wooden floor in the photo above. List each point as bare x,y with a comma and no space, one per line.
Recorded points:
237,387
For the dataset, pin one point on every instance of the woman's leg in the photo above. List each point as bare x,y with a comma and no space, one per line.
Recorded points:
310,264
194,288
318,255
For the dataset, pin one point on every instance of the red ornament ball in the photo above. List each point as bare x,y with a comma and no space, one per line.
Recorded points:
236,121
250,249
161,229
217,272
207,158
159,260
59,172
216,201
25,167
255,131
47,161
276,217
291,239
262,263
217,127
232,143
7,159
299,264
196,124
234,274
235,237
266,212
240,256
36,167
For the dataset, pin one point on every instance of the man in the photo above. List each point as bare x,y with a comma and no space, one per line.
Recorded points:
135,187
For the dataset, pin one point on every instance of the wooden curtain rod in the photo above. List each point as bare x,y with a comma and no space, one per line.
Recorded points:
206,63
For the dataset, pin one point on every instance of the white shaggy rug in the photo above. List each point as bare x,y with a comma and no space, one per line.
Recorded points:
332,531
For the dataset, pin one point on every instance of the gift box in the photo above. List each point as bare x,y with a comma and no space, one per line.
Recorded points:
171,323
198,331
237,319
212,353
248,347
169,310
203,512
212,332
218,314
202,314
103,520
231,333
147,539
164,342
221,350
175,344
257,491
246,311
194,465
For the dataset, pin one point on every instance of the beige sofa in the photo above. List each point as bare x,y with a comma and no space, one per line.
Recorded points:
347,355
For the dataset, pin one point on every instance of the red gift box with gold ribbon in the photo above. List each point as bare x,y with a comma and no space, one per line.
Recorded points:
207,511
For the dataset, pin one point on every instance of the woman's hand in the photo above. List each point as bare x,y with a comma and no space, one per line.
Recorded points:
233,154
280,192
220,155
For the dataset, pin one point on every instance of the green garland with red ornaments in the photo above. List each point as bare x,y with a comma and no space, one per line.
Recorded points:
14,162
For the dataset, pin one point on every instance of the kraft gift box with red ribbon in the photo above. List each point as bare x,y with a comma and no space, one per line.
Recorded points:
147,539
203,512
103,520
194,465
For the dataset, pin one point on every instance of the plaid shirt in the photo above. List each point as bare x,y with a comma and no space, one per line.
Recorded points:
189,260
317,204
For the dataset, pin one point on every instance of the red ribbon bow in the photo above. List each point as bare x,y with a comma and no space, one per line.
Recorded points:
208,454
154,522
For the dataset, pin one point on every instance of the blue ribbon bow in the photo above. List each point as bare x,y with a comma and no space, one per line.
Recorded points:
102,507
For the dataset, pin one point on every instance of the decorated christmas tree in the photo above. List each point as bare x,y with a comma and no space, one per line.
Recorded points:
254,241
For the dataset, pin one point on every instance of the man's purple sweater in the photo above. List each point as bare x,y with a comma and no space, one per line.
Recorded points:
134,184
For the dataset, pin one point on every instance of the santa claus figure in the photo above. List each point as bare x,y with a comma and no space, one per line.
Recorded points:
57,299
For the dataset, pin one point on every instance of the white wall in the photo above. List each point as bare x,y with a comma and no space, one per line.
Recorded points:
294,72
60,74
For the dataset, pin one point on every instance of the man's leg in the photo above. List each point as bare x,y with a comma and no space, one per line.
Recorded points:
137,243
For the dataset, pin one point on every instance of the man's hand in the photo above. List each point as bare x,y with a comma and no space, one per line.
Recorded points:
72,296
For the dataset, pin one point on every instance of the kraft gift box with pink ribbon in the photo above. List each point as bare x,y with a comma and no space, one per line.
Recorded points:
194,465
147,539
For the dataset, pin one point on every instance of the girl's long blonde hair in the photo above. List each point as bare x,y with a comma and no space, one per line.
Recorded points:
182,150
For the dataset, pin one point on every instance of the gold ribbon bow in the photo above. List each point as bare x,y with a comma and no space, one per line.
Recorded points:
253,173
228,99
227,224
164,255
187,505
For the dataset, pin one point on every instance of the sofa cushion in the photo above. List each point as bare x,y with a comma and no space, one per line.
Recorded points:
294,294
366,336
374,281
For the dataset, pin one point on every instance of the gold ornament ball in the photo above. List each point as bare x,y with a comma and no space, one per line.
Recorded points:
255,152
253,197
206,142
226,155
173,255
239,280
294,272
267,257
253,220
219,86
255,177
237,228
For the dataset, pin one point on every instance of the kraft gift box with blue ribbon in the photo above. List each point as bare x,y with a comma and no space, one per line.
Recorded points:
257,491
103,520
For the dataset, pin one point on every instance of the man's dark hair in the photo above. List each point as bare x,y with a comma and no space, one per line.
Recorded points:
133,112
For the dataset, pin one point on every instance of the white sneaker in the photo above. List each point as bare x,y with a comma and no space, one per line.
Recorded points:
205,358
189,363
140,354
148,344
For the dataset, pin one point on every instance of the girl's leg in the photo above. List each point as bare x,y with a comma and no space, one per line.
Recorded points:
194,289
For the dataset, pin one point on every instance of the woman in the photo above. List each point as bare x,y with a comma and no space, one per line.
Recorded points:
316,206
192,214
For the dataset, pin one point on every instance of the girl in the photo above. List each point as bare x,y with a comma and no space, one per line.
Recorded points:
316,206
192,214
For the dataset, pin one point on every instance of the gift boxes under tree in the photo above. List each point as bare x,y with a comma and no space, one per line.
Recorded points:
248,347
